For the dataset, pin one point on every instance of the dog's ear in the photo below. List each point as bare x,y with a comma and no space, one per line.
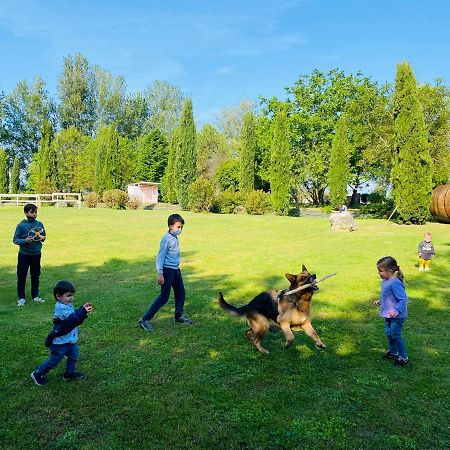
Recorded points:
304,269
290,277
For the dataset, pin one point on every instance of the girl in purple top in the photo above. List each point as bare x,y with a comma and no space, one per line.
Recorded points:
393,307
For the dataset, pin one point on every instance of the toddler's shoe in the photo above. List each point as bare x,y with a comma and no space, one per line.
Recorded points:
21,302
183,320
420,269
427,269
389,355
145,324
399,361
68,376
38,300
39,379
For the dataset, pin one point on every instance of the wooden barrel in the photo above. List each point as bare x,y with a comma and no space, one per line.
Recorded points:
440,203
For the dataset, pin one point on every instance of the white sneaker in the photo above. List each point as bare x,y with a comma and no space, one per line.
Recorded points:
420,269
38,300
21,302
427,269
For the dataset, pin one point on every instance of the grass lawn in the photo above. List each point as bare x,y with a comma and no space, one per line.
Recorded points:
205,386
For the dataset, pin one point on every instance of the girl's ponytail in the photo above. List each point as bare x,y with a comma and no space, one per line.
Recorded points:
389,263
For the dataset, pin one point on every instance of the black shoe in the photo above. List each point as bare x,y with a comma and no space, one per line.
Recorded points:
399,362
145,324
183,320
68,376
389,355
38,378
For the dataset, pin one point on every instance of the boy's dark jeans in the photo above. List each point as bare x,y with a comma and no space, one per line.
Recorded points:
172,279
57,353
33,262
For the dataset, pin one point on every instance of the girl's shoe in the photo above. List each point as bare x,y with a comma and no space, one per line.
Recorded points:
389,355
399,361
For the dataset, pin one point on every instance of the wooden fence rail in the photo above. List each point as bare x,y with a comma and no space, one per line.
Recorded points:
56,198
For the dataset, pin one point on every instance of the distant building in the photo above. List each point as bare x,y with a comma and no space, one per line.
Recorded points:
143,192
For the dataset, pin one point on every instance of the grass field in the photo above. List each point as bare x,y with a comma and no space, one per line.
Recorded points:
205,386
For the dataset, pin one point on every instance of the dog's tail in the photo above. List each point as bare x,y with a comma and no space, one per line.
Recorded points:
230,309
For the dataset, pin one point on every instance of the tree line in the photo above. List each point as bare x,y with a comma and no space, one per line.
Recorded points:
332,131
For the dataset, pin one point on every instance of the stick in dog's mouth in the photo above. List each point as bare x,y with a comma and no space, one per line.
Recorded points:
305,286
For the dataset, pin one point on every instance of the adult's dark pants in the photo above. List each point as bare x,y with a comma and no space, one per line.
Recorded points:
25,262
172,279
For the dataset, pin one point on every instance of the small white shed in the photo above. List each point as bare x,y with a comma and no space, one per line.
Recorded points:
143,192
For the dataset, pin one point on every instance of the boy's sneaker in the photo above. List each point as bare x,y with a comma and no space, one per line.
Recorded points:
39,379
21,302
401,361
38,300
389,355
183,320
145,324
68,376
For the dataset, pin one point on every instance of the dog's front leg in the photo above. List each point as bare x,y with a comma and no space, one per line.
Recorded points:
309,330
286,328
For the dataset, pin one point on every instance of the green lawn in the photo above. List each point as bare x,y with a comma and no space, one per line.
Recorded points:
205,386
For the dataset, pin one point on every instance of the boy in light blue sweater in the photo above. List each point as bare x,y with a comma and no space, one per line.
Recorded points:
169,275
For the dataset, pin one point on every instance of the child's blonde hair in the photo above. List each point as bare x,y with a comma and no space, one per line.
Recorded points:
428,234
389,263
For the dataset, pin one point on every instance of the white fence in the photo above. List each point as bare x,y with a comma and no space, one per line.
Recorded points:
57,198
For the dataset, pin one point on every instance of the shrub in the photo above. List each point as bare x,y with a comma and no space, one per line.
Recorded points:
227,176
201,195
92,199
115,199
257,202
378,210
228,202
132,204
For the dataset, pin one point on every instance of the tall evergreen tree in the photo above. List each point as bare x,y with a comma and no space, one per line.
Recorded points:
280,162
47,174
168,181
15,176
411,171
101,145
185,161
339,173
4,171
247,150
113,169
152,156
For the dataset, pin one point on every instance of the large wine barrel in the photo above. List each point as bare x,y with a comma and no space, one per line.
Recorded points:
440,203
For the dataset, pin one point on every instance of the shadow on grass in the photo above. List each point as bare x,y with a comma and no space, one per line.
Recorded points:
205,386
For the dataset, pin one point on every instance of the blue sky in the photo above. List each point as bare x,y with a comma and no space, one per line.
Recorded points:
220,53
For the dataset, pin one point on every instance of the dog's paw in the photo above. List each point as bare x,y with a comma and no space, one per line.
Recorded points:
321,346
287,344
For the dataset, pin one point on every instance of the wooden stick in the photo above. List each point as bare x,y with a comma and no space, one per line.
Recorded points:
306,286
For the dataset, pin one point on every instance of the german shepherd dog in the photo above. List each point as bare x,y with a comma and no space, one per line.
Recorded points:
286,311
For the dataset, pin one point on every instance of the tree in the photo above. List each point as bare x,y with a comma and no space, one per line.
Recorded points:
211,151
77,94
134,118
4,171
185,169
113,168
15,176
165,103
411,171
168,181
152,156
101,143
339,174
23,114
247,150
47,162
280,162
435,101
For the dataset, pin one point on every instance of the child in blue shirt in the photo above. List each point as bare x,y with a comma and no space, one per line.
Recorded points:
62,340
169,275
393,308
29,236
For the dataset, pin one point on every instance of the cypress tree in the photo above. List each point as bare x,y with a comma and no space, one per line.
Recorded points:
339,173
152,156
4,171
15,176
411,170
47,177
101,145
168,181
112,168
247,150
280,163
185,160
